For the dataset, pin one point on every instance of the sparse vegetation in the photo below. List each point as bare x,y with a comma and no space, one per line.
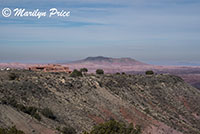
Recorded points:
149,72
33,111
48,113
84,70
99,71
76,73
114,127
12,130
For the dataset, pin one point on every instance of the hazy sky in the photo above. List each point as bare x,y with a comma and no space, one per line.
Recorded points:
157,31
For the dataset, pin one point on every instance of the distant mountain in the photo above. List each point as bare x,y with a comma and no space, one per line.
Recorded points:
108,60
108,64
98,58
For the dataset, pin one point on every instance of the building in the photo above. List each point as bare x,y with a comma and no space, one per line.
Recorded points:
7,69
50,68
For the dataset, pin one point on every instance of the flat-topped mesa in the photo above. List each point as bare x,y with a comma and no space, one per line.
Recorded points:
50,68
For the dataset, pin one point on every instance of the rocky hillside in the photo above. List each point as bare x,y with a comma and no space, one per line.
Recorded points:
40,103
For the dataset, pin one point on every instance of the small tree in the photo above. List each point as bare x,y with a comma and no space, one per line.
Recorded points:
149,72
99,71
84,70
76,73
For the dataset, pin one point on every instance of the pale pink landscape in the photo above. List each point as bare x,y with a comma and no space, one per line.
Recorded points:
190,74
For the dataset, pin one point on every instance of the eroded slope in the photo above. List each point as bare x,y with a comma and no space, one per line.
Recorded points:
161,104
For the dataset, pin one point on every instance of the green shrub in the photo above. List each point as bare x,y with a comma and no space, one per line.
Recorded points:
147,110
21,107
30,110
36,116
123,73
99,71
10,101
12,130
149,72
58,128
76,73
117,73
33,111
13,76
84,70
68,130
114,127
48,113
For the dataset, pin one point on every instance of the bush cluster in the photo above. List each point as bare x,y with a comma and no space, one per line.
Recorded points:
84,70
149,72
48,113
12,130
99,71
114,127
118,73
76,73
33,111
9,101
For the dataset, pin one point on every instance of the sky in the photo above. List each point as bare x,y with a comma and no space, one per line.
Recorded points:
152,31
